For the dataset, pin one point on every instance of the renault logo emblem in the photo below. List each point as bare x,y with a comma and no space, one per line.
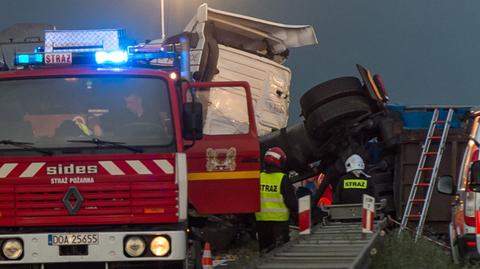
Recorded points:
72,200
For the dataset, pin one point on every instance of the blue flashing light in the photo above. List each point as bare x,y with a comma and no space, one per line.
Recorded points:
185,59
23,58
39,49
147,56
38,58
112,57
29,58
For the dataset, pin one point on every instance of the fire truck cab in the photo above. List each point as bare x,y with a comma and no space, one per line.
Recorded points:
95,143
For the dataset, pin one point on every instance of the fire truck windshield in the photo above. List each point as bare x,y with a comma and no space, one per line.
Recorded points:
49,112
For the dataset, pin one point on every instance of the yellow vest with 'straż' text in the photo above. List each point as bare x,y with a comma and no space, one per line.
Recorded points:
272,206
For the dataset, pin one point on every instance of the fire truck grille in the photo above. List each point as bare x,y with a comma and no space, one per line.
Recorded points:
133,199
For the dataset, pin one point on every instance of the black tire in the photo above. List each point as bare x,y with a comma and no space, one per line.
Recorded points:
335,111
195,256
328,91
296,143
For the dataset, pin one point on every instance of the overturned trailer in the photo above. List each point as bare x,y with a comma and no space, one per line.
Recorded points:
415,123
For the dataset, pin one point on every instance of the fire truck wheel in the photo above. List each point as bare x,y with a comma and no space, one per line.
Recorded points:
194,255
335,112
328,91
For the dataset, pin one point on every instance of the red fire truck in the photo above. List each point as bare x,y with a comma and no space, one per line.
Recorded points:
95,143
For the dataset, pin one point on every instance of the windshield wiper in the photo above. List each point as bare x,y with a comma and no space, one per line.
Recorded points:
100,142
25,145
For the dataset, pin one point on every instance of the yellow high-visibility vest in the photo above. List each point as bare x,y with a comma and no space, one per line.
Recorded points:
272,206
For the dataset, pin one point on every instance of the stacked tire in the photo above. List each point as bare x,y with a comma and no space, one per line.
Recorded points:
296,143
333,102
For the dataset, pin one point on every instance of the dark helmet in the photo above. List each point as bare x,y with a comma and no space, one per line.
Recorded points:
275,157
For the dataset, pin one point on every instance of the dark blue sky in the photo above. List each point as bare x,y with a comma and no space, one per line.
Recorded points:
426,51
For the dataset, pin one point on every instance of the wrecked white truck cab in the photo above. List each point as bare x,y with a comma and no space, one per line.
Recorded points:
233,47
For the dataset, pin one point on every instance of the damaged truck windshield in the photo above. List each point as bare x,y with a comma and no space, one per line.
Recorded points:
56,111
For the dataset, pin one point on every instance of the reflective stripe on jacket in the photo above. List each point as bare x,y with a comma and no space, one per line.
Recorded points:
272,206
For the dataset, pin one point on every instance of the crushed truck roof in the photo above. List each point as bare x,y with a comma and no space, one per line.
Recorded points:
253,32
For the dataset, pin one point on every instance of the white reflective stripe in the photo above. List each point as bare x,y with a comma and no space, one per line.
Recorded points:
111,168
181,180
304,203
275,210
32,169
274,200
6,169
165,165
139,167
273,154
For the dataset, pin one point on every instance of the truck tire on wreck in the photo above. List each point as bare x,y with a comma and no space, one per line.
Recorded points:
328,91
294,140
334,112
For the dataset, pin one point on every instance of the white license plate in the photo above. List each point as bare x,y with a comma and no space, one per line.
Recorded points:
73,239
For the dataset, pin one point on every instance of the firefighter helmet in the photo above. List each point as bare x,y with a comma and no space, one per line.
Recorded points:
275,157
354,162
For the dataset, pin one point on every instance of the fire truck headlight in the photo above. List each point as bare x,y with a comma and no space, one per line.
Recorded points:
135,246
12,249
160,246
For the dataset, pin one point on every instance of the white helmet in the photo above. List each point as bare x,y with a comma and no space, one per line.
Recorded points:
354,162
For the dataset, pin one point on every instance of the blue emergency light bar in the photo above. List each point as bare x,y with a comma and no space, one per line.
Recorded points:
29,58
111,57
150,55
117,57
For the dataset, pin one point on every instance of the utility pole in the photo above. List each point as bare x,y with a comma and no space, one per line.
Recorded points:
162,7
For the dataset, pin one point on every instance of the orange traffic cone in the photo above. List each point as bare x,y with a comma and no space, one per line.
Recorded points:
207,262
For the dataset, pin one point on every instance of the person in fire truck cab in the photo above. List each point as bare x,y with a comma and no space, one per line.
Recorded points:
352,186
277,201
137,117
141,114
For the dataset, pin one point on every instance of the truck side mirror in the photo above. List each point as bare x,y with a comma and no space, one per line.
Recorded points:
445,185
192,121
475,176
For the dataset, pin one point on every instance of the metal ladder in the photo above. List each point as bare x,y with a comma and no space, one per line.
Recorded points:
429,182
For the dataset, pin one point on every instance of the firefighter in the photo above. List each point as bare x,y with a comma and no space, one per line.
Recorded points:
278,201
352,186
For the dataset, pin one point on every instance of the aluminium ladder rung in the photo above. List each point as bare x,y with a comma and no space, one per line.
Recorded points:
431,153
426,169
436,137
422,184
418,200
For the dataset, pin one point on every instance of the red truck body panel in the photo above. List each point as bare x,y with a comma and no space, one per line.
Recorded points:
116,189
227,182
